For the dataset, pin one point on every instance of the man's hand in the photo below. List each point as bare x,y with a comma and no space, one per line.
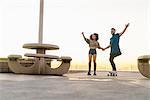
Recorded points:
127,25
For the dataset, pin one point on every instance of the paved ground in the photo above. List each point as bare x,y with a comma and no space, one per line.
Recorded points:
75,86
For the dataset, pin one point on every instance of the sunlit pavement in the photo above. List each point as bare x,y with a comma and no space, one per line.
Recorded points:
75,86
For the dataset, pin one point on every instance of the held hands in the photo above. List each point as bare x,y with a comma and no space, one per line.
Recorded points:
103,49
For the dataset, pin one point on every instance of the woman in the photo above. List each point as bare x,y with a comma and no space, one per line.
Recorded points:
93,45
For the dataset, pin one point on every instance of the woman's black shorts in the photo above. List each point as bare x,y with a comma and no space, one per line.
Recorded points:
92,51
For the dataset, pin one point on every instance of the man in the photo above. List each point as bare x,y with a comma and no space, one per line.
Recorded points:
115,49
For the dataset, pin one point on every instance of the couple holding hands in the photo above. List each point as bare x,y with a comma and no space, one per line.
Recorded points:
114,45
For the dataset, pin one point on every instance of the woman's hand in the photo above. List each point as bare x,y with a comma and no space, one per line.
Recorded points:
82,33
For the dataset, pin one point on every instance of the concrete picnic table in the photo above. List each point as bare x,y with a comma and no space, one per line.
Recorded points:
40,66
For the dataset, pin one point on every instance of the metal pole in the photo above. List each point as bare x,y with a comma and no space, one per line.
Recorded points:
41,21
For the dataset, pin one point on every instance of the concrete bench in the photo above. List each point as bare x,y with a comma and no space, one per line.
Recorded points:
41,56
14,57
144,65
39,66
65,59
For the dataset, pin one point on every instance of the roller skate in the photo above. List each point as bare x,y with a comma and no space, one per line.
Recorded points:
112,73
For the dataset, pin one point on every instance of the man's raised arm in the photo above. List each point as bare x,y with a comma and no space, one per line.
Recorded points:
126,26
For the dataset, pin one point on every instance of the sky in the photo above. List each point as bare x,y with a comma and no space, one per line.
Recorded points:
64,20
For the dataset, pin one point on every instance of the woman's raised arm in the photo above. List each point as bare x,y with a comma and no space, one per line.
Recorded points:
87,40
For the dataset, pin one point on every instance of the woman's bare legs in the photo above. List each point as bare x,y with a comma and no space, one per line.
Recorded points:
90,60
94,60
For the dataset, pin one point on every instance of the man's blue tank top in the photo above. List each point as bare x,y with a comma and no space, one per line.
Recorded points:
114,41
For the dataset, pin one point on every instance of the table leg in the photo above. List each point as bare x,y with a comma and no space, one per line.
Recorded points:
40,51
42,66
